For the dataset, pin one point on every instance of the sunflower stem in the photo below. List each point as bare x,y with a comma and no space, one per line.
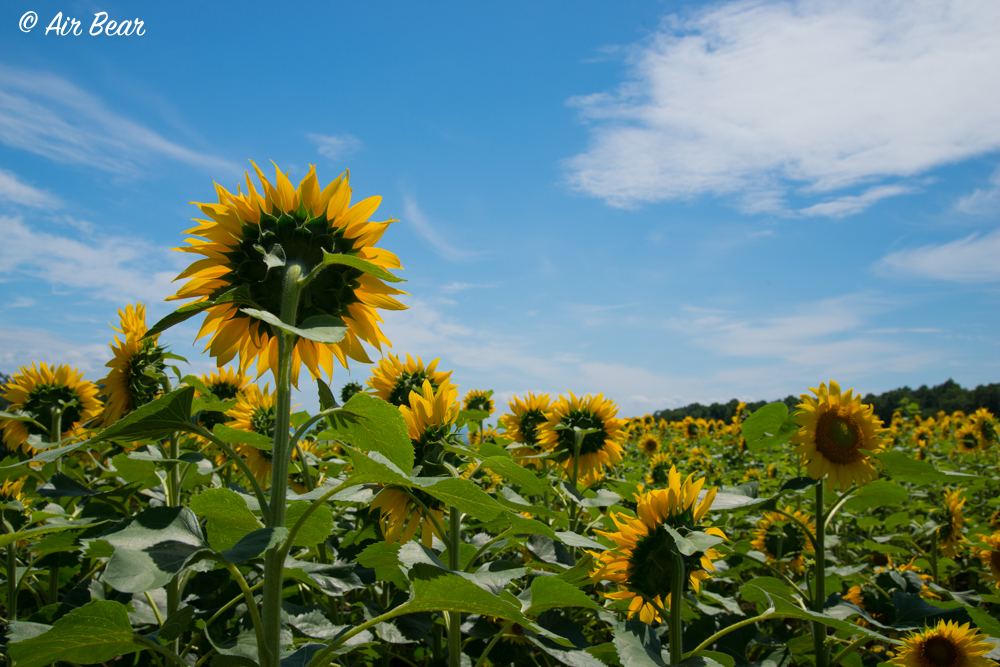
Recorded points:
55,437
172,493
12,580
676,600
455,565
274,565
819,630
493,642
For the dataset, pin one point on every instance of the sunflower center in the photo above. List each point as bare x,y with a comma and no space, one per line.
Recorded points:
839,437
47,399
651,564
224,391
650,444
529,426
258,262
407,382
939,651
585,421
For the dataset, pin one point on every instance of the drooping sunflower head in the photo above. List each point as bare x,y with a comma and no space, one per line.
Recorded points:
478,399
947,644
41,392
950,533
401,517
690,428
782,540
525,417
649,444
966,439
349,390
225,384
254,412
136,369
837,435
598,448
429,417
984,425
990,559
250,242
393,379
643,560
658,473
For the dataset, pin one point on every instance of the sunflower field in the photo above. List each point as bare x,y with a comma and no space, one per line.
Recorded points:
153,517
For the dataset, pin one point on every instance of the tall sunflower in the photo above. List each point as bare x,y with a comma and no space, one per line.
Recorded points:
990,559
478,399
136,367
430,416
598,449
41,392
642,561
782,540
522,424
254,412
392,379
950,534
249,241
837,435
947,644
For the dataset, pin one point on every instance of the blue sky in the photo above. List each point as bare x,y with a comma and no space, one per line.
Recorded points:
664,202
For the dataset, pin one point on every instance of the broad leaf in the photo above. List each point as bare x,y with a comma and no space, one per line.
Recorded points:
769,426
360,265
235,436
320,328
466,496
372,425
229,518
158,419
255,544
552,593
238,295
97,632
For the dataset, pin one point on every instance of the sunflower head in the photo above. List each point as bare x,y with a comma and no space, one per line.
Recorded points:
950,535
484,435
990,559
136,369
225,384
837,435
947,644
350,389
782,540
658,473
249,244
525,418
645,554
430,418
43,392
649,444
400,517
477,399
254,412
984,425
392,379
594,416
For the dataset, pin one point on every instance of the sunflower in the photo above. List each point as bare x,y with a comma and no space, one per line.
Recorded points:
649,444
525,417
225,384
855,596
254,412
250,239
782,540
13,489
990,558
349,390
477,399
430,416
984,425
966,439
393,380
691,428
837,435
41,392
598,449
950,534
947,644
133,379
485,435
658,473
641,563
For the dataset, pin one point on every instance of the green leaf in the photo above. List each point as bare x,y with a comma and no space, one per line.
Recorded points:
360,265
552,593
132,470
327,401
877,494
229,519
46,456
97,632
466,496
316,528
373,425
769,426
63,486
152,547
375,469
384,559
255,544
902,468
240,295
435,589
20,416
637,644
235,436
320,328
575,540
30,533
505,466
158,419
175,624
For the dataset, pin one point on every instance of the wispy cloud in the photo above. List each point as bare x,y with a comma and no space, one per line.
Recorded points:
336,147
50,116
455,287
20,347
105,268
16,191
972,259
849,205
430,232
982,201
759,99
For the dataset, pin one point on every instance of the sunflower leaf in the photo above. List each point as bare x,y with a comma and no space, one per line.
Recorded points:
235,436
506,467
238,295
551,593
254,544
360,265
466,496
637,644
160,418
229,518
373,425
319,328
877,494
902,468
769,426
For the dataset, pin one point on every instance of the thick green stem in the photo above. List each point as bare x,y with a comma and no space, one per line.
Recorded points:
455,565
676,603
819,630
11,577
274,565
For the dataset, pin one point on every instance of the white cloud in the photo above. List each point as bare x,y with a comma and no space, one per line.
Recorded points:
50,116
111,269
336,147
455,286
16,191
849,205
21,347
982,200
763,98
429,232
973,259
